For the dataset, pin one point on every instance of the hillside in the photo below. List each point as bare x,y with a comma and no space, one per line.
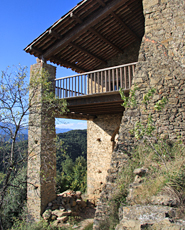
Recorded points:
74,143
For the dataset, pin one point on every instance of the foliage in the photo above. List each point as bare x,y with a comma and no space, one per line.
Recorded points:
73,175
163,159
15,198
52,104
72,143
41,225
89,227
71,160
129,102
16,102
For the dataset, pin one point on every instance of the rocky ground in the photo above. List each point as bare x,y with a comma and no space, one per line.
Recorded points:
69,209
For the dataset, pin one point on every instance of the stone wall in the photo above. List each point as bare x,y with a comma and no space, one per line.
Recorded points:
161,65
41,171
129,55
99,150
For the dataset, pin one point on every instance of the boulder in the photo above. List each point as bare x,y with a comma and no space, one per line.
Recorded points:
140,171
146,214
47,214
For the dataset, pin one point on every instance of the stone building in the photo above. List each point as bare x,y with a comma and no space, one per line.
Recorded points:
99,39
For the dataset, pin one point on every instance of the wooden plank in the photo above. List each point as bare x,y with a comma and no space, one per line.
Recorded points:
125,26
130,79
91,84
101,2
88,83
63,88
35,50
76,116
54,34
109,80
95,82
69,87
81,84
87,52
66,88
98,81
121,77
117,80
76,18
125,76
105,39
91,21
72,87
85,85
78,85
102,81
59,84
113,81
73,66
105,81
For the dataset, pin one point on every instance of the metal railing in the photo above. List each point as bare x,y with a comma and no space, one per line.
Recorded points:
95,82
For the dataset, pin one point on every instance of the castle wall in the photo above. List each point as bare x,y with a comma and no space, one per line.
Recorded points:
161,65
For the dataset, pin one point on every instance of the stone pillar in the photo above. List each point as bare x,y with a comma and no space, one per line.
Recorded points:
99,151
41,172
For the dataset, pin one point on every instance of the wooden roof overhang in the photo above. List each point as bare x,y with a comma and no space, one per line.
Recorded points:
90,34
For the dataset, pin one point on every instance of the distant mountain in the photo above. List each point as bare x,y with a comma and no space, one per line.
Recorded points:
58,130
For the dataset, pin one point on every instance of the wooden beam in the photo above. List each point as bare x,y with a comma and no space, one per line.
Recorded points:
77,116
54,34
63,62
72,15
125,26
105,39
36,50
84,26
101,3
87,52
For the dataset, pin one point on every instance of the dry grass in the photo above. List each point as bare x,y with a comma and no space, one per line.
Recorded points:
169,174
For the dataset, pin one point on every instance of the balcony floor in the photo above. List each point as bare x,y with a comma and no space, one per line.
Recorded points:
87,107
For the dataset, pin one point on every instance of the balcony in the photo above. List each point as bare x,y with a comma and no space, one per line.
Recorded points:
96,92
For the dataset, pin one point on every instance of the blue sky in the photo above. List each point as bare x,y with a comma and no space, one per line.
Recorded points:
21,21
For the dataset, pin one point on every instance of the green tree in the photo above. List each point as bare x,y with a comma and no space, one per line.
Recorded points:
16,99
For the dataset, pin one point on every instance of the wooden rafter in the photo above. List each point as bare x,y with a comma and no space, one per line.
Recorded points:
72,15
125,26
54,34
66,63
85,25
104,39
101,2
35,50
78,116
57,36
87,52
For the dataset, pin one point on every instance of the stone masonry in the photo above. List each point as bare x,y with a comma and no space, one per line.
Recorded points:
99,150
160,65
41,170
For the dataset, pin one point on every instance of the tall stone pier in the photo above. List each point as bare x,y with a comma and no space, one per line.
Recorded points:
41,170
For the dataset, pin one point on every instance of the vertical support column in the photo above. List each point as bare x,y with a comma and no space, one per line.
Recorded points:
41,170
99,151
